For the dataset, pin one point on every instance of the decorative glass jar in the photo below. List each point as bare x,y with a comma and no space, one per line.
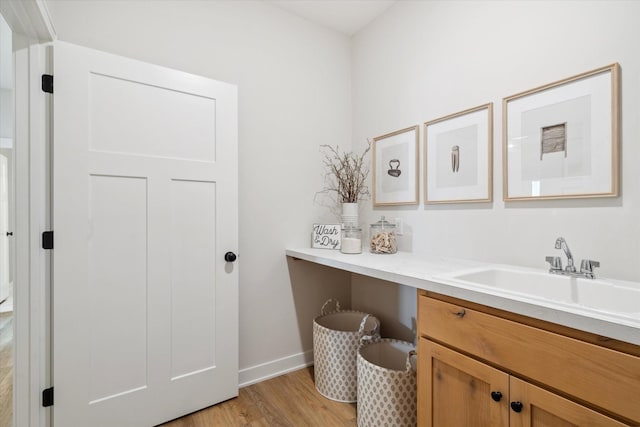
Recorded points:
383,237
351,240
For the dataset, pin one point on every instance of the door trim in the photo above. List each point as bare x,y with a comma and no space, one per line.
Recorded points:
31,25
29,18
32,180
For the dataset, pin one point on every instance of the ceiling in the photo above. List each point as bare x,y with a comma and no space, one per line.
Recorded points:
344,16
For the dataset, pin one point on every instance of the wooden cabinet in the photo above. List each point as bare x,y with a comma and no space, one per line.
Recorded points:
459,389
542,408
481,367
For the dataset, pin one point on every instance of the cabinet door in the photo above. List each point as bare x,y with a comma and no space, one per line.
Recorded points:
457,391
541,408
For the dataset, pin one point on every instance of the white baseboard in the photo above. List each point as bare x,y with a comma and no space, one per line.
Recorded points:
274,368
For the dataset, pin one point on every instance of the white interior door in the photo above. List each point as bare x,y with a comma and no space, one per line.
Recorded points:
4,229
145,309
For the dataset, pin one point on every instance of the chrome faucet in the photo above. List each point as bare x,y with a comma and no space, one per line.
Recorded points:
562,244
586,266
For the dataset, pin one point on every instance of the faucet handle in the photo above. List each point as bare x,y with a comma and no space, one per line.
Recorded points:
587,266
555,261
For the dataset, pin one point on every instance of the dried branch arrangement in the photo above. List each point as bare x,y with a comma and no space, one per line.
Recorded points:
346,173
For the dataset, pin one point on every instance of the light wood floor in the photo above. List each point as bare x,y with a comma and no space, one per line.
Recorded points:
290,400
6,369
287,401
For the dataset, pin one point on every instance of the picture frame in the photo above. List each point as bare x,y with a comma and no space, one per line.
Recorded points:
326,236
395,168
561,140
459,157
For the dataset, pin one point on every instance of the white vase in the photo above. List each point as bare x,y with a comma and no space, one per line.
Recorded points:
350,214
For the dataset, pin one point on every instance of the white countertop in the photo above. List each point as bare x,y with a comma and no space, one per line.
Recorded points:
430,273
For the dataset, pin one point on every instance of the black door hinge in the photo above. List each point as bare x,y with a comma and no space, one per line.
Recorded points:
47,397
47,240
47,83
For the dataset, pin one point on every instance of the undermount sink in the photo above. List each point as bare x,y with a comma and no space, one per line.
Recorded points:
610,296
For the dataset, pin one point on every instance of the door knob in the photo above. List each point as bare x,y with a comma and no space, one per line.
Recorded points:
230,257
516,406
496,395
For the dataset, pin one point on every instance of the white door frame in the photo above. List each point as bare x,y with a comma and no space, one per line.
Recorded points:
31,26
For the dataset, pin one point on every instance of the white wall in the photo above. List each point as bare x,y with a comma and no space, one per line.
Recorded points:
426,59
301,86
294,94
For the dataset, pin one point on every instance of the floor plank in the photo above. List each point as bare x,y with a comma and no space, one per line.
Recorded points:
289,400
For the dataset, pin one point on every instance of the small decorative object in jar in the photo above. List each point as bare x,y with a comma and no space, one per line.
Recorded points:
383,237
351,240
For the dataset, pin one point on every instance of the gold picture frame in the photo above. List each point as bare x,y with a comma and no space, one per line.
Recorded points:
458,157
561,140
395,168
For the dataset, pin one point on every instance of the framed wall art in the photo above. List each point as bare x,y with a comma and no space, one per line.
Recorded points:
458,157
395,168
561,140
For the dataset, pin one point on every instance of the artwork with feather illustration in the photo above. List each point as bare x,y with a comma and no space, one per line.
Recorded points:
458,157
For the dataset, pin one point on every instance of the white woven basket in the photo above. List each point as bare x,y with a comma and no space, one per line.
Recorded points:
336,338
387,384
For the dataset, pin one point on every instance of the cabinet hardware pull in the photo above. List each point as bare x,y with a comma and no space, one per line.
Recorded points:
516,406
496,395
461,313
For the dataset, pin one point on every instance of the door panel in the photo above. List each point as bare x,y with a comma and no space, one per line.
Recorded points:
117,288
541,408
114,101
542,418
144,208
192,320
458,390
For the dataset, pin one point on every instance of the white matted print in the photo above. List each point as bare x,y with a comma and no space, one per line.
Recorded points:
458,157
395,168
561,140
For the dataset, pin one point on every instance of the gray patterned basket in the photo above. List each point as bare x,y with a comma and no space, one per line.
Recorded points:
336,338
387,384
